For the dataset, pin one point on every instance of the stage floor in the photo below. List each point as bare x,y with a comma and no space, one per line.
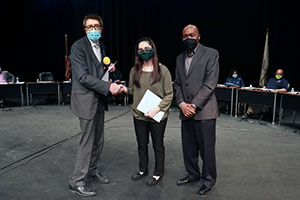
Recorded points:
38,147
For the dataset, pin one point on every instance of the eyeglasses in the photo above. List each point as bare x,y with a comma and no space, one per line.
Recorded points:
146,48
95,26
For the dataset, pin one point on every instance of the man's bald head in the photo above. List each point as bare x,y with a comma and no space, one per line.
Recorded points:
279,71
190,31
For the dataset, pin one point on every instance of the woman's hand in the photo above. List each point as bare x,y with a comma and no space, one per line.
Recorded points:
124,89
152,113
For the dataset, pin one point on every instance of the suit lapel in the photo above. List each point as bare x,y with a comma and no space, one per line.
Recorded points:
91,52
101,67
197,56
182,61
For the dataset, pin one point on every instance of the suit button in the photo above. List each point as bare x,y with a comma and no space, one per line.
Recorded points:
186,84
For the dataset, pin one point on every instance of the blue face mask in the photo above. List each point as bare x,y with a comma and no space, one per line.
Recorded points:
234,75
94,35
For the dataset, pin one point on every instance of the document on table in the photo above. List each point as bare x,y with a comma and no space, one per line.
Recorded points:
148,102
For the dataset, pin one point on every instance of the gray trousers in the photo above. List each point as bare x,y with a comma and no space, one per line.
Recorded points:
90,147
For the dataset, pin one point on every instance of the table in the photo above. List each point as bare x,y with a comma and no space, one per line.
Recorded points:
289,101
42,87
257,97
10,90
225,93
66,88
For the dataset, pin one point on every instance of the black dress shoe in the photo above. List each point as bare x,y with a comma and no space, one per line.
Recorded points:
204,189
100,178
138,176
246,116
186,179
82,191
153,181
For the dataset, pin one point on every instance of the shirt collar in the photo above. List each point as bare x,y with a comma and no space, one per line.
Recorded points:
93,43
193,52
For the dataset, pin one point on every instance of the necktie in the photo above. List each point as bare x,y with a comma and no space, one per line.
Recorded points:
97,52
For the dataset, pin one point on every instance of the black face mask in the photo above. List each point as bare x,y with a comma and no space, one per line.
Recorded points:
190,44
146,54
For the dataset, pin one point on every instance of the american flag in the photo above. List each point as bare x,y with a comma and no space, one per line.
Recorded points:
265,63
67,60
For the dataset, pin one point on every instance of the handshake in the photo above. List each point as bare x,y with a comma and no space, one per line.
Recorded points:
117,88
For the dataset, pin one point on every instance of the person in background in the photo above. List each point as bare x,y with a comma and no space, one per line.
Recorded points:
2,80
149,74
197,74
277,83
6,77
234,79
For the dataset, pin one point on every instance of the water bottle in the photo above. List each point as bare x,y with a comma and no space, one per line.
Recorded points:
292,91
250,87
17,79
37,80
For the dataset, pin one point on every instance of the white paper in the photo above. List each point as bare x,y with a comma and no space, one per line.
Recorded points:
149,102
105,77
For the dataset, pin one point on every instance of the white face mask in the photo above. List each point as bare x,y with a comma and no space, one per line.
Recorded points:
234,75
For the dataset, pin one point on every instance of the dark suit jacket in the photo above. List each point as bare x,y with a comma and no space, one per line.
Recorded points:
199,85
88,90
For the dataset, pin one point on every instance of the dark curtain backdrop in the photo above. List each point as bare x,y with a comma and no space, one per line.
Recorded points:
32,33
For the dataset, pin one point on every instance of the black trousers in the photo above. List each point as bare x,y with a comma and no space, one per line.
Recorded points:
157,130
199,136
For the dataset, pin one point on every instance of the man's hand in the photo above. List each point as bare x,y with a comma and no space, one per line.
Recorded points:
115,88
113,67
152,113
188,110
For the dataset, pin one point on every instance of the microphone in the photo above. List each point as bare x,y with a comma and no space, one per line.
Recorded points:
106,60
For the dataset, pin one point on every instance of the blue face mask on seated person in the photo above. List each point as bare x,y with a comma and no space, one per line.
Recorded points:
234,75
94,35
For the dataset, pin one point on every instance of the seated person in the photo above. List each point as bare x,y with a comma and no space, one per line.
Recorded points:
2,80
278,83
6,77
234,79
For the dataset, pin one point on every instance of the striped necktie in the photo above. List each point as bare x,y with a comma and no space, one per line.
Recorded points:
97,52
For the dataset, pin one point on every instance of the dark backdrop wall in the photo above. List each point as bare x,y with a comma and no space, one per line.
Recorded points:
32,33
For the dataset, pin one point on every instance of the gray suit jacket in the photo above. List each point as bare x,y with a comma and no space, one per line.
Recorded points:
199,85
88,90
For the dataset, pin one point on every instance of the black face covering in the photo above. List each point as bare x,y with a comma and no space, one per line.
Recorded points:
190,44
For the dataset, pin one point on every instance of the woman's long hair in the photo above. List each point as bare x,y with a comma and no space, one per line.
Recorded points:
139,63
